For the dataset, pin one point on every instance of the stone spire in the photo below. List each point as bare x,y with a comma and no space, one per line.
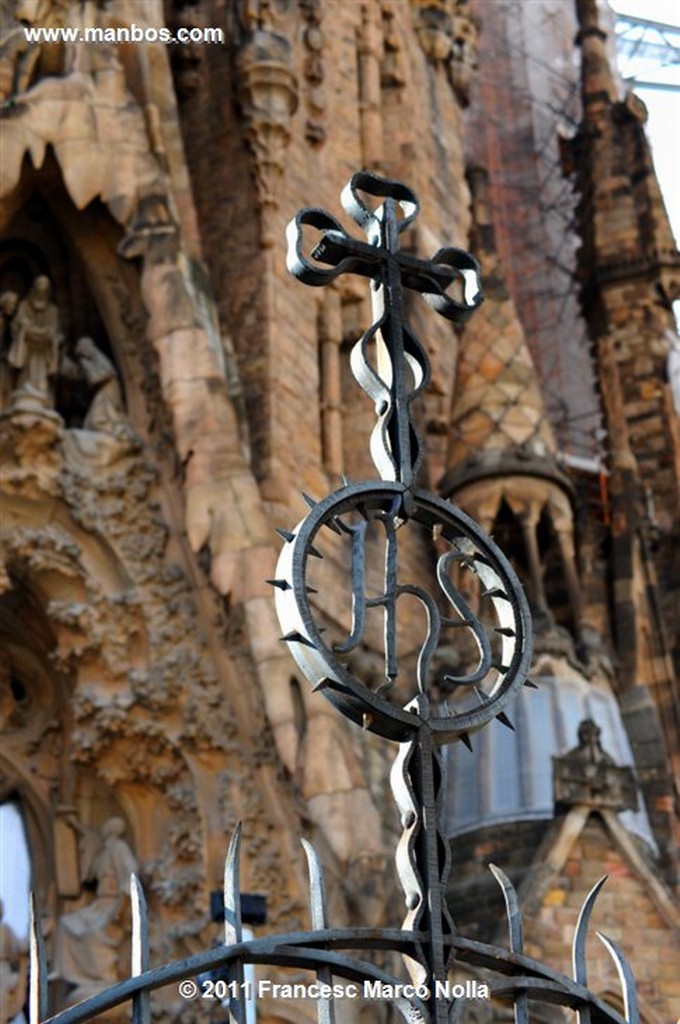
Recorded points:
498,421
502,449
597,81
624,222
629,272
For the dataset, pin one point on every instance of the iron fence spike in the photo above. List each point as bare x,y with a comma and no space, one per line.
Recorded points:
37,996
531,684
630,1003
314,552
578,950
512,909
504,631
233,931
309,500
319,920
465,738
140,927
141,1001
317,887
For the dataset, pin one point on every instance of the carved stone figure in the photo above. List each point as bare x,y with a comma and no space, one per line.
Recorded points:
106,435
36,339
88,939
12,972
106,413
588,775
22,62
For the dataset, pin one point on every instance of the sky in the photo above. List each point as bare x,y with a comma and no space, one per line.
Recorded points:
663,107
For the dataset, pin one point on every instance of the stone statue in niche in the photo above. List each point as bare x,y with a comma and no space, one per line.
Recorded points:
105,435
106,413
588,775
12,972
34,352
88,939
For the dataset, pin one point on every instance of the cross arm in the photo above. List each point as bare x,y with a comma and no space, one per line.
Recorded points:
342,253
432,277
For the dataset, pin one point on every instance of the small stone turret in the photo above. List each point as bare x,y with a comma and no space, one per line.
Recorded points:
502,452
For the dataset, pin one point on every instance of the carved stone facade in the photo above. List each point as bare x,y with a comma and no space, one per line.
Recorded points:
166,393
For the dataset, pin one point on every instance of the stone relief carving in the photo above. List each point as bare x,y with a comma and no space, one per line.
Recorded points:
588,775
106,434
314,72
393,72
106,413
32,360
448,34
88,939
268,97
35,349
19,59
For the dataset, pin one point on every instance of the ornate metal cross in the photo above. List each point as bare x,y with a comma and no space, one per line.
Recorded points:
395,445
497,635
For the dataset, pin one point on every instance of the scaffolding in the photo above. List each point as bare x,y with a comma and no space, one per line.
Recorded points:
514,132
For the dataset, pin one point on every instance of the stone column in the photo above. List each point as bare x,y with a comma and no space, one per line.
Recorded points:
330,340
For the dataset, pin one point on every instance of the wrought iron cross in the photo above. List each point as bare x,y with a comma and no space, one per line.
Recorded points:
391,365
395,445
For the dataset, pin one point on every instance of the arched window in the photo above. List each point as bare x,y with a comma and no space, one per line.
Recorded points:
15,868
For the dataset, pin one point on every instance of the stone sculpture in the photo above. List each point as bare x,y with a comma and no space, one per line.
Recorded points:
88,939
106,435
588,775
34,352
107,412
